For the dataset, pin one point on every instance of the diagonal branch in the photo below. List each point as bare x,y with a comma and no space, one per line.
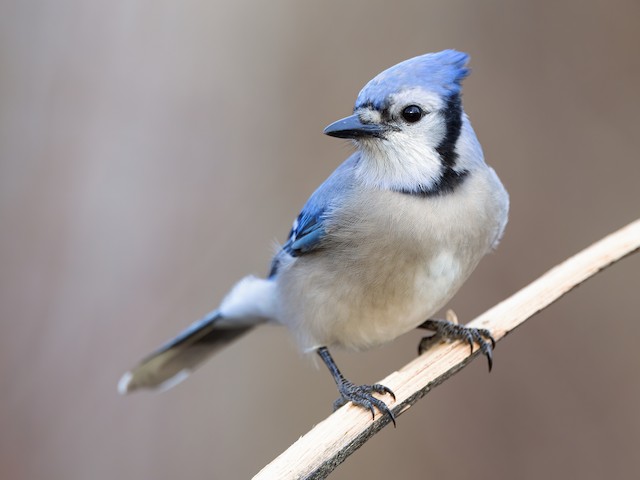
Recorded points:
329,443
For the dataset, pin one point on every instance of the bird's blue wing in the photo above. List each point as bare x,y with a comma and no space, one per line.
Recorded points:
308,231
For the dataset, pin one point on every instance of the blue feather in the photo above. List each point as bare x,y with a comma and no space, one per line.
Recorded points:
441,73
309,229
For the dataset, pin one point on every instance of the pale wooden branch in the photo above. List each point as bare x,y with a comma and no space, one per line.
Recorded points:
330,442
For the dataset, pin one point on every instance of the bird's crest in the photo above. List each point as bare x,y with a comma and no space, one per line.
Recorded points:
440,72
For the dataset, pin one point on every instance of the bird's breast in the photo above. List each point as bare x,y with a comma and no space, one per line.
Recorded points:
389,261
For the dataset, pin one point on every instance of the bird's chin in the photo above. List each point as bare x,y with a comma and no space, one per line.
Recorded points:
369,145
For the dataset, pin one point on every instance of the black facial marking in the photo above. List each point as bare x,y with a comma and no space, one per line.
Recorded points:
447,183
383,108
452,113
449,179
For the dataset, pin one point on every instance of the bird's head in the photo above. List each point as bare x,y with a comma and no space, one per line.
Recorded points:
409,124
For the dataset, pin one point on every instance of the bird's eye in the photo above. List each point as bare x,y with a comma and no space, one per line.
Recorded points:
412,113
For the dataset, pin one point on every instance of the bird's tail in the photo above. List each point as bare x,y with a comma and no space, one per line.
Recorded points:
175,360
246,306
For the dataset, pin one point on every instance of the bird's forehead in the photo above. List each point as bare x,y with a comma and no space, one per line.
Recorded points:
439,73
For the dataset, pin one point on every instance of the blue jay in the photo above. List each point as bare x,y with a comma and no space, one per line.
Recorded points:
380,246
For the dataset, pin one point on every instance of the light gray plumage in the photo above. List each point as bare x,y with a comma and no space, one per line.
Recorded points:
384,242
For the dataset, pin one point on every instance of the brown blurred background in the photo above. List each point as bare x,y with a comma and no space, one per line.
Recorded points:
151,152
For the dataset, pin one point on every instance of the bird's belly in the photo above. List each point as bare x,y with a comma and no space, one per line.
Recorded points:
338,302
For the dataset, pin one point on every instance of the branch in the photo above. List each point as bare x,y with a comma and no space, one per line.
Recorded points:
329,443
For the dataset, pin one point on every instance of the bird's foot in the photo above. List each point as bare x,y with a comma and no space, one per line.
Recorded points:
361,395
450,330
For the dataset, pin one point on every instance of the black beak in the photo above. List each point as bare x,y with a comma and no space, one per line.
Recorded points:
352,127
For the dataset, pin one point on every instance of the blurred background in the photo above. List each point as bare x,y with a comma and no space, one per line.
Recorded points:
153,152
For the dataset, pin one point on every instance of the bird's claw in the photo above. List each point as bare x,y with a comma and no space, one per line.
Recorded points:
361,395
446,330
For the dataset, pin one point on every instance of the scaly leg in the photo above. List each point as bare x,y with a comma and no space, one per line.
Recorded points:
357,394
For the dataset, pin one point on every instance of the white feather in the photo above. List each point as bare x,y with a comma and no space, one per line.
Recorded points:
124,383
250,301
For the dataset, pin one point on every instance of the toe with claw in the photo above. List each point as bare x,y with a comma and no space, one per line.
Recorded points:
361,395
450,330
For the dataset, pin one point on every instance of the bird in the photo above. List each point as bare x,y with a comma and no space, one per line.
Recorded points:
380,247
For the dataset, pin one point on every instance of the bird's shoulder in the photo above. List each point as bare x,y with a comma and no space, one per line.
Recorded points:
308,230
